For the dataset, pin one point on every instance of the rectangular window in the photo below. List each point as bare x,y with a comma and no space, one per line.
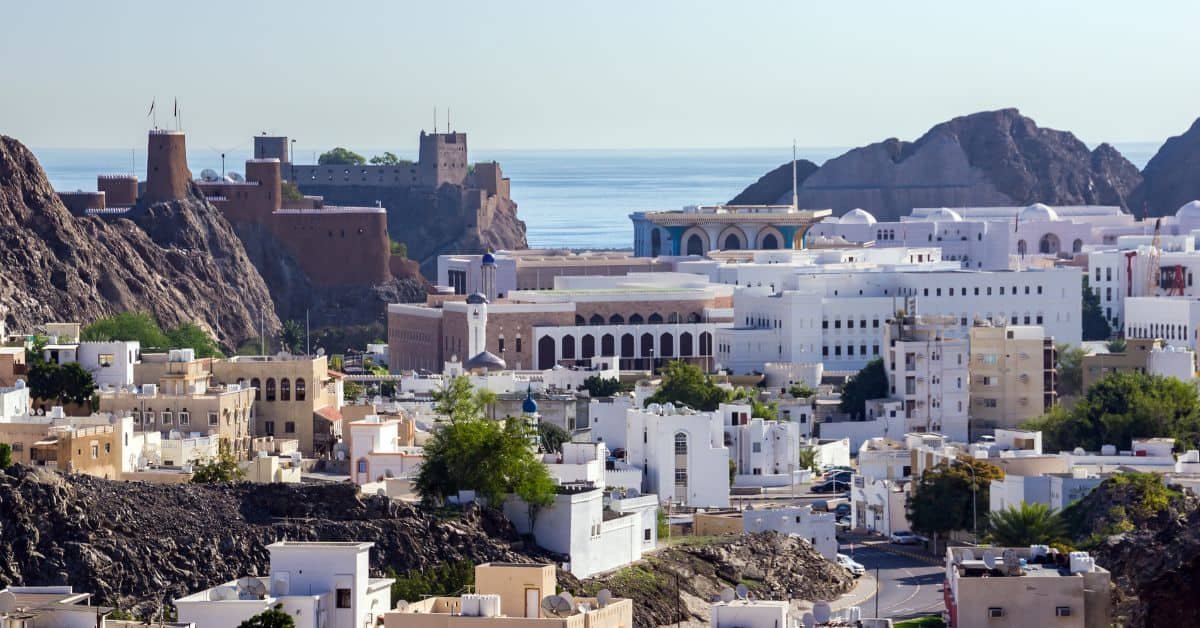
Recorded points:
837,350
1039,319
212,418
976,290
269,428
289,427
185,418
849,349
875,323
95,451
756,447
518,344
825,351
874,349
850,324
105,359
1108,273
166,418
343,598
824,323
500,344
646,534
680,477
837,324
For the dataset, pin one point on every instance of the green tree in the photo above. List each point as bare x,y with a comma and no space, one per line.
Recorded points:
1025,525
810,459
289,192
399,249
1116,345
341,157
224,469
870,383
687,384
604,386
1069,380
801,390
941,501
448,578
461,402
732,471
5,456
270,618
758,409
75,384
551,437
192,336
139,326
353,390
389,158
43,380
1095,325
291,336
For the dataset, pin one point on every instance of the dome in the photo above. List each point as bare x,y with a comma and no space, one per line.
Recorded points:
944,214
1038,213
476,298
489,259
857,216
1189,211
485,360
529,406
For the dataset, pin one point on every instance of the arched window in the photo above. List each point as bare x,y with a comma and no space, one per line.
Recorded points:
694,317
705,343
732,243
666,345
655,243
647,345
568,347
769,241
257,389
588,346
627,348
685,345
636,319
681,444
579,320
1048,245
300,391
270,389
285,389
607,345
655,319
616,319
545,351
1077,246
695,245
596,319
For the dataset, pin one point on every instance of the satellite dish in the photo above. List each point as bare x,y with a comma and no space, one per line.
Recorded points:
320,351
989,559
821,612
233,176
727,595
570,601
8,602
401,605
557,605
742,591
250,588
603,597
208,174
808,621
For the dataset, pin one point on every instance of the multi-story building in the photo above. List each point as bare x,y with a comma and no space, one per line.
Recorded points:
320,584
512,595
34,607
1013,374
764,453
927,371
536,269
294,397
1027,586
383,447
1146,266
1141,355
1174,320
696,230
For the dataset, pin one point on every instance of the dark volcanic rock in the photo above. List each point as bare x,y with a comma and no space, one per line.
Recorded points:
989,158
775,185
133,544
179,261
1172,177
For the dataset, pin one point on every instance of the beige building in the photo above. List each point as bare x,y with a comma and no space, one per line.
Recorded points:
510,595
12,365
295,397
1012,375
1134,359
223,411
92,445
990,588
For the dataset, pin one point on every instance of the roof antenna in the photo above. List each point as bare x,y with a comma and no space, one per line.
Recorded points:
449,129
795,195
435,120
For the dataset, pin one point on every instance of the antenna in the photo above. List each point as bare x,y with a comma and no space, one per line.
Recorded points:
821,612
435,119
449,129
603,598
727,595
795,194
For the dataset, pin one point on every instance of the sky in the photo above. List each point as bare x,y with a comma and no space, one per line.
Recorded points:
562,74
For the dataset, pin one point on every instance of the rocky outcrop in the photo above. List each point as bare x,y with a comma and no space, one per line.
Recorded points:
135,544
989,158
775,185
432,223
179,261
676,585
1172,177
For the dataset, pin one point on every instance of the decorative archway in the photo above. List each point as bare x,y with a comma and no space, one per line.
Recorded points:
656,242
732,238
545,351
705,343
607,346
685,345
647,345
568,347
627,346
588,347
616,319
770,237
1077,246
695,242
666,345
1049,244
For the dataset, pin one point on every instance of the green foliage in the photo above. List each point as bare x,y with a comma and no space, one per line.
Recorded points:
473,453
400,249
732,471
252,346
1121,407
604,386
190,335
290,192
1122,503
139,326
1069,382
442,579
353,390
291,336
270,618
341,157
5,456
662,525
68,383
551,437
223,469
758,409
389,158
336,362
1116,345
941,501
1025,525
1095,325
810,458
870,383
928,621
687,384
801,390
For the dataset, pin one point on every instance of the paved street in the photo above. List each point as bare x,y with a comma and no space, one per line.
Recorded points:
907,587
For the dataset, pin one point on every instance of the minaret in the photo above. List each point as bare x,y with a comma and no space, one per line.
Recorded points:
488,274
476,324
795,192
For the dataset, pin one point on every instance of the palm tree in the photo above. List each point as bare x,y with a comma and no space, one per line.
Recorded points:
1116,345
1025,525
809,459
292,336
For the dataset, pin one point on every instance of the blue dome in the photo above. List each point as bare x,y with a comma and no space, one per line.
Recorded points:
529,406
489,259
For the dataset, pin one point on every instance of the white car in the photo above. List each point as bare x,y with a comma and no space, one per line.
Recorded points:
853,567
904,537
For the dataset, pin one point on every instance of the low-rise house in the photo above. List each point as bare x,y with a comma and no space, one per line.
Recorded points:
879,505
50,606
749,614
765,453
382,447
320,584
98,445
802,521
509,595
1028,586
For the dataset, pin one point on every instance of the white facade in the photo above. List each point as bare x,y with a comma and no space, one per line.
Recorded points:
884,459
320,584
376,453
14,401
927,371
110,363
816,527
1174,320
878,505
766,453
750,614
1068,488
1137,268
52,607
1013,490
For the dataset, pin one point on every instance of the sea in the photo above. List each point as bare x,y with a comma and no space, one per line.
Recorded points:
577,199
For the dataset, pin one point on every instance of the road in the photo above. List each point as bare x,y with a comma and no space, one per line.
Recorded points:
907,587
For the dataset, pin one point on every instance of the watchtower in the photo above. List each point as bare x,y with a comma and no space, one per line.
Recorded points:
167,174
121,190
442,159
272,147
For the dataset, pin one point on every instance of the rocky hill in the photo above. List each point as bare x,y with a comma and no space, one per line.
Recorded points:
180,261
1170,179
988,158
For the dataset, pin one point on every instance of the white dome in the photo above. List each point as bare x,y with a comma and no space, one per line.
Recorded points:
1189,211
944,214
857,217
1038,213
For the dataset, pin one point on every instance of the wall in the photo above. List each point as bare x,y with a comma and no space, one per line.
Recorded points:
119,190
704,524
167,174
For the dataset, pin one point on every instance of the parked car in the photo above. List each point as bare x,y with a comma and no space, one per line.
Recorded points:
842,510
838,468
853,567
831,486
904,537
841,476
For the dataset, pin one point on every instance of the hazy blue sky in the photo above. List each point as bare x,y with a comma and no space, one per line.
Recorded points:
565,74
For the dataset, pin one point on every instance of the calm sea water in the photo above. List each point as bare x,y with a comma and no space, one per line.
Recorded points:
567,198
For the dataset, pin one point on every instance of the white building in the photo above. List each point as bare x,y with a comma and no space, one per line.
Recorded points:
1014,490
816,527
750,614
884,459
377,453
110,363
927,371
879,505
1135,267
14,401
51,607
320,584
1174,320
766,453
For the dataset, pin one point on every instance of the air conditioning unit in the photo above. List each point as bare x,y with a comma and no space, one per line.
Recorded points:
1062,611
995,612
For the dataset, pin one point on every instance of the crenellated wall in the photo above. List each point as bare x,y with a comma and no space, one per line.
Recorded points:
120,190
167,174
